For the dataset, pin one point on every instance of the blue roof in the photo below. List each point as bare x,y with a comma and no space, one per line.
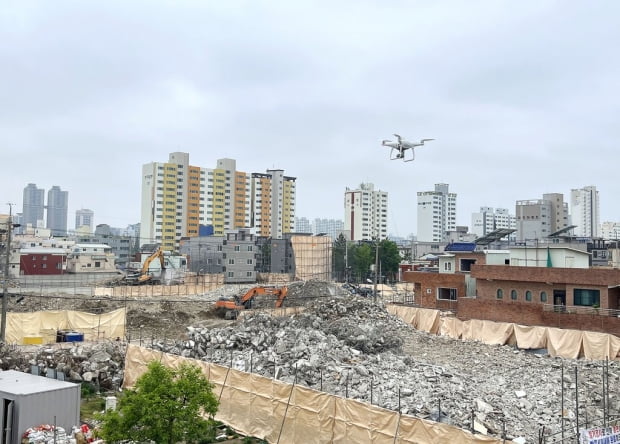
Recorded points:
460,246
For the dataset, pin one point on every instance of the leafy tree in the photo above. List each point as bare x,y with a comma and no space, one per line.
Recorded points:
339,251
363,256
166,406
389,257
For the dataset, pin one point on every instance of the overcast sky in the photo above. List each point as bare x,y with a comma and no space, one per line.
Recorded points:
523,98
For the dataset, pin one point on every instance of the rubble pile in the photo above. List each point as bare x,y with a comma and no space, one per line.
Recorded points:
351,347
98,364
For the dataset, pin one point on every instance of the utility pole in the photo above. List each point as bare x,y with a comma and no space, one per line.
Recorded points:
376,269
5,296
346,261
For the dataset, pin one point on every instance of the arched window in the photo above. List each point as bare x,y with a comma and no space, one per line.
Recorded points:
543,296
513,295
528,296
500,293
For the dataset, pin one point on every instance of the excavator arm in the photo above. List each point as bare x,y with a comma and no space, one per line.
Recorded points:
228,308
144,273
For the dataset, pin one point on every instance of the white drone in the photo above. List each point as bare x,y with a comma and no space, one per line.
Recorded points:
400,147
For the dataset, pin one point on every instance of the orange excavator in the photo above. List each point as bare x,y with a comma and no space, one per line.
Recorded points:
228,308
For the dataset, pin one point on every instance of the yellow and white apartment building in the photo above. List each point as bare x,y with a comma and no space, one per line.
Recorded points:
177,198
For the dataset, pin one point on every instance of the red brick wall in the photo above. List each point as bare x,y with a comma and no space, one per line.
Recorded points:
426,295
576,276
525,313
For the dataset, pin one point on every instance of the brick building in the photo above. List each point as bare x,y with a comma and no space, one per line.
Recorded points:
488,285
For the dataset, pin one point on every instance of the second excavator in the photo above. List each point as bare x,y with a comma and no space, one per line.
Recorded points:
229,308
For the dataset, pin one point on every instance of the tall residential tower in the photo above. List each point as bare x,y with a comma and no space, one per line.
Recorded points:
33,206
57,211
436,214
365,213
585,211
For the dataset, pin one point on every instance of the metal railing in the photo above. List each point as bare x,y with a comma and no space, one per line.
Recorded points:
575,309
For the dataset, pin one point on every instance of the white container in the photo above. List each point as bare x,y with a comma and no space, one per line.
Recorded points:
110,403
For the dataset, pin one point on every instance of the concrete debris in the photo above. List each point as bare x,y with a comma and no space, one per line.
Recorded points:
98,364
350,346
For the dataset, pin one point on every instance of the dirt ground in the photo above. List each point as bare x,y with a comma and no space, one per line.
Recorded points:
147,318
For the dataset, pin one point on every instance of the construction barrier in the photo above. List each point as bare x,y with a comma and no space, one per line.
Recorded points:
45,324
136,291
280,412
560,342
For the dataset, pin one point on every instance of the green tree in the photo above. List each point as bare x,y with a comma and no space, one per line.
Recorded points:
363,256
339,250
166,406
389,256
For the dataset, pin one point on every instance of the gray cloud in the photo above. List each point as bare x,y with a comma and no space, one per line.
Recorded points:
522,98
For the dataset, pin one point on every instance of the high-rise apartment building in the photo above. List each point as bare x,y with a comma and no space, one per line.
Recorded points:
273,203
331,227
436,214
33,207
303,225
173,199
177,198
585,211
84,218
57,211
539,218
610,230
488,220
365,212
227,198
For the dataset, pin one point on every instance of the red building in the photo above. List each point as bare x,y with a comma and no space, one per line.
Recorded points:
42,261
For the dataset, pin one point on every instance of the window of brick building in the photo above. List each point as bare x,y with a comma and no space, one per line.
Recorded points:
447,294
500,293
587,297
513,295
528,296
543,296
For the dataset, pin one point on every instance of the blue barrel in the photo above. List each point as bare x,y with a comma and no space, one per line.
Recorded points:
74,336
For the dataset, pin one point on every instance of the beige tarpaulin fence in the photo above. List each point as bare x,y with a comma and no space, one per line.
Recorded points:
280,412
564,343
46,323
420,318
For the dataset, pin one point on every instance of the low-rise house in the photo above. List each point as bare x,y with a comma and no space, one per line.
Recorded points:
42,261
532,286
91,258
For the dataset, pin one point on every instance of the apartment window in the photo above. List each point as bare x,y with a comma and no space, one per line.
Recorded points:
513,295
97,264
250,248
231,274
528,296
237,247
587,297
446,294
250,261
44,266
543,296
231,261
500,293
249,274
